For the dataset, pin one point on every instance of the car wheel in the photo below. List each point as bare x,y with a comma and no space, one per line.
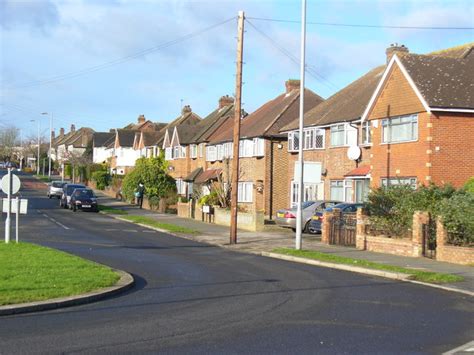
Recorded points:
74,208
306,227
49,196
293,229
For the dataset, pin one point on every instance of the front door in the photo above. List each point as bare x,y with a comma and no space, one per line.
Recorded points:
361,190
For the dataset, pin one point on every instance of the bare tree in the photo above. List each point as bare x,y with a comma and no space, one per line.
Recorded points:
8,141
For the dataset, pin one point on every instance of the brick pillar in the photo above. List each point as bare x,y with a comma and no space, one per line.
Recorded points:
360,229
441,233
326,226
419,219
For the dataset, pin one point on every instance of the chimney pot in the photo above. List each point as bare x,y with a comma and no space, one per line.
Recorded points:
73,128
53,134
394,48
186,109
225,101
61,132
292,84
141,119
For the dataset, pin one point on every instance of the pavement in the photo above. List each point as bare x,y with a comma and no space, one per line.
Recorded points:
264,242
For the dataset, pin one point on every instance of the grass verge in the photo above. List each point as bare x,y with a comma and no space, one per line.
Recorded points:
418,275
43,178
154,223
111,210
30,273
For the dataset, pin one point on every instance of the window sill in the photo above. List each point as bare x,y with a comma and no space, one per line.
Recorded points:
401,142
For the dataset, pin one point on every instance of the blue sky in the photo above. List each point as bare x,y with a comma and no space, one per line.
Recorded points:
42,40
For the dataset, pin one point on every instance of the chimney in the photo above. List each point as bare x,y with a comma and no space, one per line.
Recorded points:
395,49
53,134
225,101
292,84
141,119
73,128
186,109
61,132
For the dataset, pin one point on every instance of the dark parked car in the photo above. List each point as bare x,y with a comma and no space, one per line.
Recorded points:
317,220
83,199
287,217
67,192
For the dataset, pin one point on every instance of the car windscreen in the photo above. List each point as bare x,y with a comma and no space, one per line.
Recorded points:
70,189
58,184
84,193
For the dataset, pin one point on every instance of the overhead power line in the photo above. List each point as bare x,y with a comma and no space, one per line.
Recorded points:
308,68
118,61
362,25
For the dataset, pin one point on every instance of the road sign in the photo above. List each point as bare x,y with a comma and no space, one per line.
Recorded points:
23,206
5,184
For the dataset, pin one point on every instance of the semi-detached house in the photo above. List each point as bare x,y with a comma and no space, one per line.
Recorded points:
263,161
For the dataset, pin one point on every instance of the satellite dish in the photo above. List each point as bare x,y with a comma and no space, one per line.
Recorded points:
354,152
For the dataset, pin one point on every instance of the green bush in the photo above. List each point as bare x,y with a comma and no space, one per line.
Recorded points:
391,208
469,186
212,199
152,172
101,178
458,218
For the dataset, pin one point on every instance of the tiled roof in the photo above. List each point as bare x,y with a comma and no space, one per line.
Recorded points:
100,138
462,51
126,137
444,82
347,104
362,170
269,118
211,123
150,137
209,174
192,175
182,119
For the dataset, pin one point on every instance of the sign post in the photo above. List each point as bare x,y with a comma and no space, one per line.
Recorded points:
17,201
10,185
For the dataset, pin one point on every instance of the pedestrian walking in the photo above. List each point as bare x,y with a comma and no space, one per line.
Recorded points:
139,194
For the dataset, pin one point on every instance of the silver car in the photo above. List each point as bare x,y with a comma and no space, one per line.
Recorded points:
287,217
56,189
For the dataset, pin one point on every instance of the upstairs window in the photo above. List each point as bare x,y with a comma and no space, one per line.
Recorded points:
193,151
220,152
343,135
366,136
228,147
169,153
258,147
211,153
245,148
400,129
293,141
313,138
201,150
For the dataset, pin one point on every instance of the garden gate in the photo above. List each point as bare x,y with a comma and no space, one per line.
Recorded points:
343,229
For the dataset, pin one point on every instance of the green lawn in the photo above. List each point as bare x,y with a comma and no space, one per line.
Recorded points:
111,210
43,178
33,273
418,275
154,223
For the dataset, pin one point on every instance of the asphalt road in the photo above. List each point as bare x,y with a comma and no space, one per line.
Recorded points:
196,298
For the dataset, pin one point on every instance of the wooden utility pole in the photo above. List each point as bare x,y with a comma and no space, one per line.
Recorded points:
237,117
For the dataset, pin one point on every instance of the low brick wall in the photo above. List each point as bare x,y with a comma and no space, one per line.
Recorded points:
247,221
383,244
450,253
184,209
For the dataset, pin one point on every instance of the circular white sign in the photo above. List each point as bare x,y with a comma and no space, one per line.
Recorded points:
5,184
354,152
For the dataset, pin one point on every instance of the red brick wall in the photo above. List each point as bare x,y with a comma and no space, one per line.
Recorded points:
452,148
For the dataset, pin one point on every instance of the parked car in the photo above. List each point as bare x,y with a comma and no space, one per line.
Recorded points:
83,199
317,219
68,189
56,189
287,217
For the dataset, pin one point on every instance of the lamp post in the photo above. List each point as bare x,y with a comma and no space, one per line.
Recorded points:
50,141
37,159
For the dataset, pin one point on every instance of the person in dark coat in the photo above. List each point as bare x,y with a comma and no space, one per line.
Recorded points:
140,192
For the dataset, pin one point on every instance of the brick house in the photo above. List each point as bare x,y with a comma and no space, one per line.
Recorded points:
72,144
330,130
422,119
263,161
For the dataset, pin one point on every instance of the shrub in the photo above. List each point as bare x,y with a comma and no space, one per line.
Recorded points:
458,218
469,186
212,199
102,179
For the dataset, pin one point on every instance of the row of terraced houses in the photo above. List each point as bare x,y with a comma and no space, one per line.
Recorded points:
409,121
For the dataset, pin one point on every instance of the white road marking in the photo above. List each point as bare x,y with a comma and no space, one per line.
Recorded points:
62,225
53,220
148,231
466,348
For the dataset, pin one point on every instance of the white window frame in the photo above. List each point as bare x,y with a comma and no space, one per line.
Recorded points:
211,153
193,152
168,153
201,150
245,192
398,181
366,133
346,187
180,187
310,192
389,123
220,152
293,141
246,148
258,147
346,130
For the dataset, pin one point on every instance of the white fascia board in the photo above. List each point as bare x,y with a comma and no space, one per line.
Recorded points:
462,110
175,135
407,76
166,139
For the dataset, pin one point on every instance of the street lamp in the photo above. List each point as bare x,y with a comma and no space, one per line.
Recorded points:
50,141
37,159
